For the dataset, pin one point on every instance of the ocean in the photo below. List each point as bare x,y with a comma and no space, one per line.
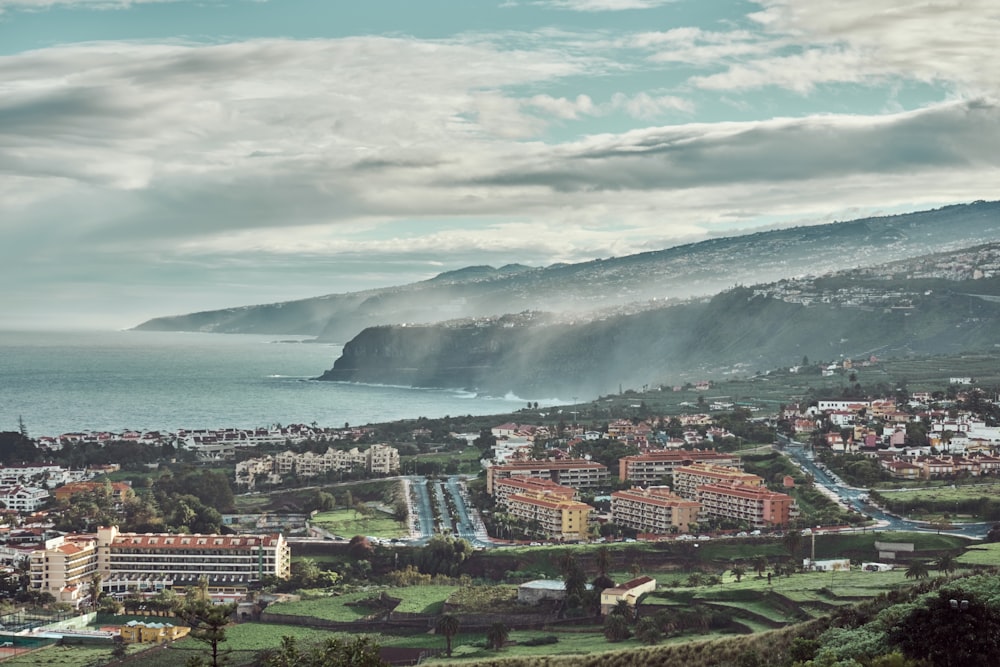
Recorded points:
61,382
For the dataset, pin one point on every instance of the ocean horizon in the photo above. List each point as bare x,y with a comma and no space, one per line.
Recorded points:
63,381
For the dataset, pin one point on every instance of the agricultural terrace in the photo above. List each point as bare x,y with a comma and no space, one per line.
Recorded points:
981,555
980,501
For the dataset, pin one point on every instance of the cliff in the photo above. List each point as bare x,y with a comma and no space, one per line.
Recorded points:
539,357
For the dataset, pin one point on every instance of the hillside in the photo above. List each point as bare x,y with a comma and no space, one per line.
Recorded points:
741,330
683,271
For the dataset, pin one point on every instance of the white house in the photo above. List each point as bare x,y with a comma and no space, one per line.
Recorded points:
23,498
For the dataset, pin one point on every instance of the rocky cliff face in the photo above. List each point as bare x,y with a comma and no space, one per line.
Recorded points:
734,330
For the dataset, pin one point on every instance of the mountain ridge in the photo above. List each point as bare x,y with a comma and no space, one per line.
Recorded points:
695,269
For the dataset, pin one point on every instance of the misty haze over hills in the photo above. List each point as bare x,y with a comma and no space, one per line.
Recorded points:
697,269
587,328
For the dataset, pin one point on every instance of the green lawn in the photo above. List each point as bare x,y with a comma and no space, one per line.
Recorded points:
350,522
66,656
981,554
333,608
421,599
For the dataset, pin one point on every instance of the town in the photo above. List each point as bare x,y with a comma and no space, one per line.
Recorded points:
132,524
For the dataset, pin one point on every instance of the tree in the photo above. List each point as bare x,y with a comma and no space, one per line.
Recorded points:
119,649
952,629
759,565
603,558
738,571
792,540
918,570
207,621
648,631
447,625
615,628
497,636
624,609
95,588
335,652
945,563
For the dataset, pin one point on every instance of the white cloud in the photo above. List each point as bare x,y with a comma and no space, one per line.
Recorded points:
650,107
36,5
869,41
599,5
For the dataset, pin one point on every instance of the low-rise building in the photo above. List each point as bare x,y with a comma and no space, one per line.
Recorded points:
376,460
630,592
119,491
135,632
23,498
653,510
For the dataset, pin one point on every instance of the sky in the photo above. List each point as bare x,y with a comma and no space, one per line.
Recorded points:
160,157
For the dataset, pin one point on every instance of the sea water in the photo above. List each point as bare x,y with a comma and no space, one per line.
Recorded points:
61,382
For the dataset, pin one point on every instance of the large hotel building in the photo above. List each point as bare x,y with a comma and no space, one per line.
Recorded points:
653,510
688,478
577,473
754,504
651,467
504,488
559,517
150,562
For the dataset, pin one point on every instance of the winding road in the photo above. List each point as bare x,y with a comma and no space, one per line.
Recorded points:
857,498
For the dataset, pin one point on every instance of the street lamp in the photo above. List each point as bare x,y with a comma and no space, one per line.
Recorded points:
959,605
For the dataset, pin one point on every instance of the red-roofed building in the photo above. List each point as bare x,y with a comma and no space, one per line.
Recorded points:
756,505
652,466
654,510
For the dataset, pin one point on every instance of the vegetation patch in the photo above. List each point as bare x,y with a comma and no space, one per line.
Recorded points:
350,522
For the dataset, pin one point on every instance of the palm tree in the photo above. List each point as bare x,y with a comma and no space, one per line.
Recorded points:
603,557
792,541
447,625
648,631
738,571
95,588
918,570
615,628
946,563
624,609
759,565
497,636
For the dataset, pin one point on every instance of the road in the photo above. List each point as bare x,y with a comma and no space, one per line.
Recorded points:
855,498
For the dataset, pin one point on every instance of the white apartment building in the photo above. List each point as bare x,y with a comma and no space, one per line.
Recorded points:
151,562
376,460
23,498
575,473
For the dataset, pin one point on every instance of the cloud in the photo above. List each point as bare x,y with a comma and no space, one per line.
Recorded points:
869,42
37,5
598,5
948,137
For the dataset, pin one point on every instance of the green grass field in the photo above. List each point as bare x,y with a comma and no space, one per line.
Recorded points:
349,522
981,554
421,599
333,608
947,493
66,656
